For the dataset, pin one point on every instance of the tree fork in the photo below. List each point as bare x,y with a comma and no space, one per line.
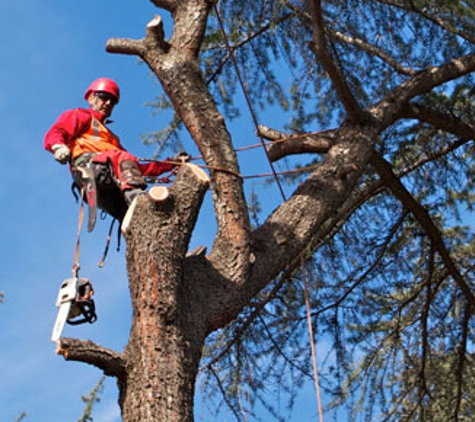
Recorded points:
176,65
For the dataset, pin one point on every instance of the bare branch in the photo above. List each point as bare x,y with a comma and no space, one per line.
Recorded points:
390,107
358,42
125,46
441,120
110,362
154,41
375,51
269,26
319,142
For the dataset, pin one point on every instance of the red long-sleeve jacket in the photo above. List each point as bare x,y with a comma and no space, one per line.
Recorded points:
73,124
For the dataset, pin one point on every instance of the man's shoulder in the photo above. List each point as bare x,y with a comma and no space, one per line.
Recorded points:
81,110
74,119
76,112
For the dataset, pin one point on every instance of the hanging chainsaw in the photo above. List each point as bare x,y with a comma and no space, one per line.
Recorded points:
74,301
75,305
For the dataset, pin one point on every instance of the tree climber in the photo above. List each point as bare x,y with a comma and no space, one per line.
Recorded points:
81,138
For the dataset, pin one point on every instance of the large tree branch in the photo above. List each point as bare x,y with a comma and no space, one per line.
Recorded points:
392,181
176,65
389,108
110,362
384,169
154,40
289,229
439,119
319,46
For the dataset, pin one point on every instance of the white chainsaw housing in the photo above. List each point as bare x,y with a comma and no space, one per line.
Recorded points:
66,296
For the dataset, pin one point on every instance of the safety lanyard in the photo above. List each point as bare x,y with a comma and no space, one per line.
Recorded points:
76,266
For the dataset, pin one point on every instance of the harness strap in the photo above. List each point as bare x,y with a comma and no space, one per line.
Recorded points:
76,266
108,241
84,159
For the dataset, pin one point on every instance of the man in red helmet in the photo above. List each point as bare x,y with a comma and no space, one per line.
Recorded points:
80,136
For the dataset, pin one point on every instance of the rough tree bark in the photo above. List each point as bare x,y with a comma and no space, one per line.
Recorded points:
177,299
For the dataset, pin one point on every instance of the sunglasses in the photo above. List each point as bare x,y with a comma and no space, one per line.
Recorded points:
105,96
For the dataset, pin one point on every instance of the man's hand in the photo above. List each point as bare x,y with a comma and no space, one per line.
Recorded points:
61,152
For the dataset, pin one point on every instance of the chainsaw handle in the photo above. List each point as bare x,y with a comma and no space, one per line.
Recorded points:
85,290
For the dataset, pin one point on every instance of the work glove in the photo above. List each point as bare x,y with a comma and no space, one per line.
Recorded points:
61,152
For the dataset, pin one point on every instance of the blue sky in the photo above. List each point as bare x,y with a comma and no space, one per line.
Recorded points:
50,52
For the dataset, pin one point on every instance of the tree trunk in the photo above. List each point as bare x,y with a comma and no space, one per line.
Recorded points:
162,359
166,339
178,300
157,371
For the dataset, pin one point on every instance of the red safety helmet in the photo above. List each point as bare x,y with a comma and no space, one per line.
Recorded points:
105,85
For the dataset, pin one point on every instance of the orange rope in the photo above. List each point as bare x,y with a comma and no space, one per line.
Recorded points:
216,168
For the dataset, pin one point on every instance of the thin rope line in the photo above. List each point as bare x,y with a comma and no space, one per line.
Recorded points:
204,166
246,96
251,109
276,141
312,345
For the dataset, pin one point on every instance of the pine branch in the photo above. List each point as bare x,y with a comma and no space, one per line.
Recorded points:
91,400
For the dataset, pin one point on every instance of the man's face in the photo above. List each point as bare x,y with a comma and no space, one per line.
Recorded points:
103,102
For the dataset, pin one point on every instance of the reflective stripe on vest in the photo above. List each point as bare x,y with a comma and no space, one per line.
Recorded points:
97,138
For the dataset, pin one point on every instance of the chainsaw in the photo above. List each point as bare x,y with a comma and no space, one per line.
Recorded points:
75,305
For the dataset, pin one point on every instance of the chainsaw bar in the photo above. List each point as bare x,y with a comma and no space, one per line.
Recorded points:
66,296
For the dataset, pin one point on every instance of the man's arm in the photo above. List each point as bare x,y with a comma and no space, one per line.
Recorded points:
70,125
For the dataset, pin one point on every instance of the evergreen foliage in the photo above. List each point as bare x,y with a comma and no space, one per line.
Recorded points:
22,416
93,398
394,330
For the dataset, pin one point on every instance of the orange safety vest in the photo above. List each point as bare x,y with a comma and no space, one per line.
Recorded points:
98,138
